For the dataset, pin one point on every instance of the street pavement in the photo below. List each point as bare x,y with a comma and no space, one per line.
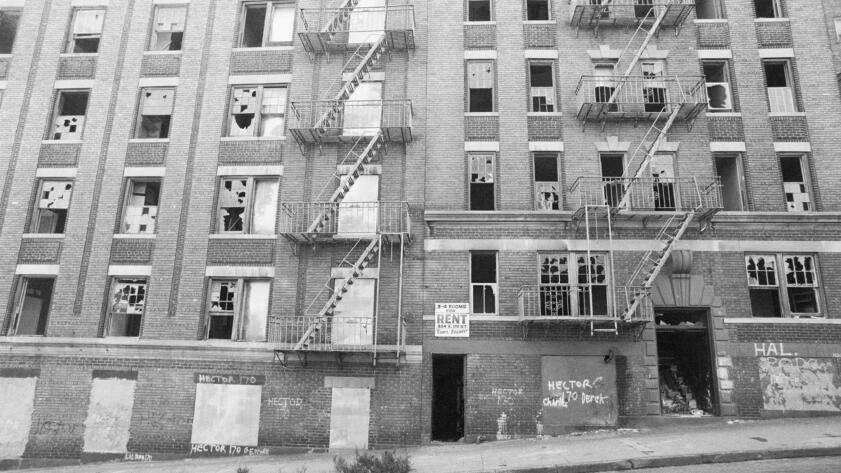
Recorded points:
797,465
718,442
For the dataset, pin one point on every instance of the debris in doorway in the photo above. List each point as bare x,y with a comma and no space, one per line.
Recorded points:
677,395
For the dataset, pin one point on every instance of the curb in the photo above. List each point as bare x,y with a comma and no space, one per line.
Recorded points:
682,460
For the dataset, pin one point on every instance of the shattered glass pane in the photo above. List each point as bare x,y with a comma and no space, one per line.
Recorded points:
800,271
595,270
68,127
55,195
482,169
480,75
554,270
762,270
548,195
142,208
244,101
232,202
222,295
128,296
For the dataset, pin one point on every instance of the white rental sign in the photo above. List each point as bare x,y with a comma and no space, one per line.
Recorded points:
452,320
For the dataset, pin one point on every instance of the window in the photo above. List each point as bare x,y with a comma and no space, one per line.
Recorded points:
85,31
155,113
168,28
248,205
717,76
778,80
795,183
9,20
481,181
537,10
267,24
662,169
125,307
838,29
547,187
768,8
603,7
69,117
613,168
141,209
570,287
729,169
541,87
483,286
238,309
790,293
654,92
480,84
257,111
478,10
51,207
605,84
642,8
709,9
32,307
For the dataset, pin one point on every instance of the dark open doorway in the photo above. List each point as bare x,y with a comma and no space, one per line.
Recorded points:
685,363
447,397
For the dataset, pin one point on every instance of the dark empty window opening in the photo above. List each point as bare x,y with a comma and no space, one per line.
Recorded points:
541,87
483,283
612,171
546,183
478,10
776,74
537,10
729,170
709,9
482,182
33,306
642,8
85,31
795,184
9,20
780,88
447,397
253,26
768,8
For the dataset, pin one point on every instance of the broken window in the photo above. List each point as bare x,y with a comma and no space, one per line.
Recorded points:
257,111
85,31
605,84
541,87
604,8
479,10
168,28
483,285
267,24
709,9
51,207
717,76
481,182
729,170
795,184
768,8
780,86
480,84
800,280
248,205
642,8
155,112
141,209
547,187
32,307
238,309
662,169
69,117
9,20
654,91
537,10
613,168
125,307
564,295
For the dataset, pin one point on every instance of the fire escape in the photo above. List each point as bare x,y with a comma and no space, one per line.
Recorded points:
345,315
647,190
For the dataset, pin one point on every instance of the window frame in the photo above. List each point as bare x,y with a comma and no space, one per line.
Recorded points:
538,203
248,218
782,285
258,113
19,12
803,159
238,312
494,287
575,288
109,308
549,16
791,85
138,125
493,167
19,294
35,219
728,84
267,23
70,41
778,7
491,15
153,31
128,192
469,101
58,98
554,92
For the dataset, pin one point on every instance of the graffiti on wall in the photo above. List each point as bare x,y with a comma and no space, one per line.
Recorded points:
800,384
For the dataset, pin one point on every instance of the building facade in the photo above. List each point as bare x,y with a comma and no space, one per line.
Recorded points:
233,228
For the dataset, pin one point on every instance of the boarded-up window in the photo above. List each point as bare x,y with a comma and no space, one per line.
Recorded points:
51,207
226,414
248,205
168,28
109,413
238,309
17,402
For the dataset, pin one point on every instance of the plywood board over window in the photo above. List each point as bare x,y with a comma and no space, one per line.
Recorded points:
109,413
227,410
17,400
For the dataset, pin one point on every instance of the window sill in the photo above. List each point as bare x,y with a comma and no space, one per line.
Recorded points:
710,20
790,114
545,114
66,142
480,23
5,56
148,140
253,138
713,113
264,48
481,114
163,53
770,20
240,236
57,236
135,236
78,54
540,22
774,320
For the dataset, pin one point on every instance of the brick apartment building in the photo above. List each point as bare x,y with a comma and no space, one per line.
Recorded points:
237,227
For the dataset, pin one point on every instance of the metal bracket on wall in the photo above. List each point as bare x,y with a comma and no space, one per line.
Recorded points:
280,357
340,359
525,327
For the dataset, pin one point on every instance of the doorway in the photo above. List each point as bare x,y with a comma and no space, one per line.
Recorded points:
447,397
685,363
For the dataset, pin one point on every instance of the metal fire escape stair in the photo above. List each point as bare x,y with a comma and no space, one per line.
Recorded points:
338,292
341,17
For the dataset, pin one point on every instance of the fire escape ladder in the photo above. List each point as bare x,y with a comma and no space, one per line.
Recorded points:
342,16
356,270
640,282
372,148
598,12
367,62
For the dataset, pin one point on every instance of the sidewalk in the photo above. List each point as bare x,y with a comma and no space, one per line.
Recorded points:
624,449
